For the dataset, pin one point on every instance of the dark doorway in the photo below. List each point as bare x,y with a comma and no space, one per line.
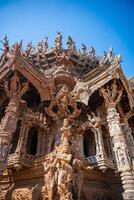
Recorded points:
89,144
32,141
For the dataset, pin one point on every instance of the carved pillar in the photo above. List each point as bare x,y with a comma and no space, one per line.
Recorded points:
121,152
7,128
9,121
21,137
39,144
129,138
112,96
100,151
79,144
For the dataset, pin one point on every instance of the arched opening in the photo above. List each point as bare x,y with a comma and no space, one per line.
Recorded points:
15,138
107,142
89,144
95,100
32,97
32,141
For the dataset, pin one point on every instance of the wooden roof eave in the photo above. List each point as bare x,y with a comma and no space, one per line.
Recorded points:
100,76
37,79
126,86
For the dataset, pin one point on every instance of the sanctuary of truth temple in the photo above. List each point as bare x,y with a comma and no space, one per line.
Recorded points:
66,124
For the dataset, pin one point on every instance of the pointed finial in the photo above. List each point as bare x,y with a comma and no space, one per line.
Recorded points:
16,48
92,53
58,41
110,53
28,49
20,44
84,48
118,59
46,43
70,44
5,43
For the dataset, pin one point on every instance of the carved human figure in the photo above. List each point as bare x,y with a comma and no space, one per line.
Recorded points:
122,156
65,171
66,129
49,177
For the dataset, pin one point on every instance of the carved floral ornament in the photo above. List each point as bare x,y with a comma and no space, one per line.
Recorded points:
111,94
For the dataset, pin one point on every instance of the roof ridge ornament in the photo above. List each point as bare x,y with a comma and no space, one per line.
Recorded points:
58,41
5,43
92,53
71,45
84,51
45,60
16,48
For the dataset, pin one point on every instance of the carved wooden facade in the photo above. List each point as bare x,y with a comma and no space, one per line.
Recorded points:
66,124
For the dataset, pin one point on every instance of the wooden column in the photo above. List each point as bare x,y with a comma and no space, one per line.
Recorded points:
112,96
7,128
8,124
100,151
121,152
129,137
79,144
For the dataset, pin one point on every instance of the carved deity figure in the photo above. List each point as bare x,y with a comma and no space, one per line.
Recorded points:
63,100
93,122
58,171
50,176
15,88
65,172
122,156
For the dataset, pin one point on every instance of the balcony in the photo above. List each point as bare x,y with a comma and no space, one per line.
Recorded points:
103,162
18,159
92,160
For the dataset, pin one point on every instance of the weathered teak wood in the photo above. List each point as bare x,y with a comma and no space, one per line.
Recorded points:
67,132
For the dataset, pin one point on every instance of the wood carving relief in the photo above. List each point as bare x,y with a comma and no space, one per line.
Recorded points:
67,110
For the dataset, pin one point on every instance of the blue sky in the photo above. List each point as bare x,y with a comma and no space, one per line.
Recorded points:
98,23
